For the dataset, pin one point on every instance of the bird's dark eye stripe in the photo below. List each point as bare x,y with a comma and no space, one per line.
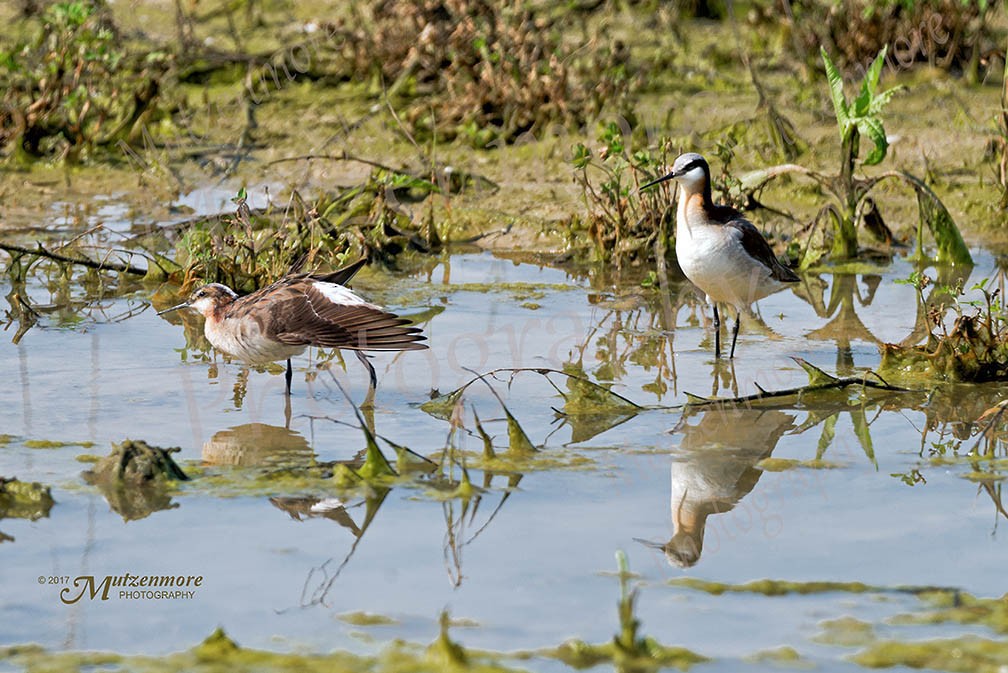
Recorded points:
696,163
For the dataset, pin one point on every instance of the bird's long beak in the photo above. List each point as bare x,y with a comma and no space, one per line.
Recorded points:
651,545
660,180
174,308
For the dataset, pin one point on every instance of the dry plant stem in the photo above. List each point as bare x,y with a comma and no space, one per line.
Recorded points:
835,384
82,261
542,371
342,156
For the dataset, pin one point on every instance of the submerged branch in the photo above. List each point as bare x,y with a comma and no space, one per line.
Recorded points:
819,381
82,261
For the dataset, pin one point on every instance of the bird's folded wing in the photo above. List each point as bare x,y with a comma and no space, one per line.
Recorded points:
310,318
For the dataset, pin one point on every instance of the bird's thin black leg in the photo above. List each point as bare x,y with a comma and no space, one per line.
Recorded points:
717,332
738,320
373,377
288,376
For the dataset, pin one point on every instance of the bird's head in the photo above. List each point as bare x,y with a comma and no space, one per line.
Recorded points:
206,299
689,169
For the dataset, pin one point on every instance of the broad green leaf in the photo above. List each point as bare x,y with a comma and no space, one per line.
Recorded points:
870,82
871,128
951,247
836,93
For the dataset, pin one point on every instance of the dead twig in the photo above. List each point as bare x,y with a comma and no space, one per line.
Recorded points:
105,265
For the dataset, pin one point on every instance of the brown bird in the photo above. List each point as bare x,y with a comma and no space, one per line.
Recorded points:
283,319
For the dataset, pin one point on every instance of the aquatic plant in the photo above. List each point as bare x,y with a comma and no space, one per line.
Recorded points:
623,224
74,88
973,349
136,478
24,499
249,249
851,201
628,650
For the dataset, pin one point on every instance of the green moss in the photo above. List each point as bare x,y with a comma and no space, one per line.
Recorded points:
220,653
24,499
49,444
846,631
983,476
966,655
579,654
786,656
783,464
961,608
772,587
365,619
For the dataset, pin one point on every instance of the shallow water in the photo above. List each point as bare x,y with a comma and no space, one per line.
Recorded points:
538,569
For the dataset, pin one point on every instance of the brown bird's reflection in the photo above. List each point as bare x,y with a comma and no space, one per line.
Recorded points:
258,445
312,507
714,468
320,580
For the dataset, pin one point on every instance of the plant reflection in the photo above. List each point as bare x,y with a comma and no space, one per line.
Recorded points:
966,425
74,297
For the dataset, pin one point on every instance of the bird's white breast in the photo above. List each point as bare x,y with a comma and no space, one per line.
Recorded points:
243,338
713,258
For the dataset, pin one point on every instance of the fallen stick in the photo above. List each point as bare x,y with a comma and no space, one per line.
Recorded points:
83,261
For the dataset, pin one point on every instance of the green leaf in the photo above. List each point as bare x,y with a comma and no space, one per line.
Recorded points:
862,103
881,100
871,128
376,465
442,405
816,376
488,449
836,93
951,247
863,433
826,438
518,442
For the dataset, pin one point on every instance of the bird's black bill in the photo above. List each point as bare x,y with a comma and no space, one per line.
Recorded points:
658,181
173,308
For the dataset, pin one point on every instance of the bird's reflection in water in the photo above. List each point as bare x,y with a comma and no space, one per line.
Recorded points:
258,445
724,378
310,507
714,468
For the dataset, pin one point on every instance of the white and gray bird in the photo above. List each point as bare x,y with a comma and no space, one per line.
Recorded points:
719,250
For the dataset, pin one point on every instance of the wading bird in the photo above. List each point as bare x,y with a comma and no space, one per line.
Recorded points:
720,251
283,319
